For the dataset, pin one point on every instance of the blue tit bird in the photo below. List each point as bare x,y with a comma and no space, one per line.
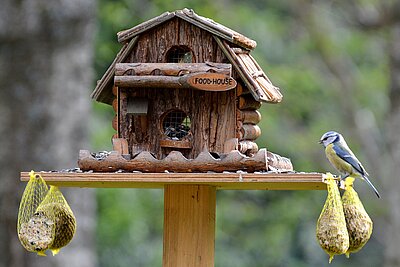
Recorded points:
343,159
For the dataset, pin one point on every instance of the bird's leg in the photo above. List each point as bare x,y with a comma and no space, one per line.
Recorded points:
344,177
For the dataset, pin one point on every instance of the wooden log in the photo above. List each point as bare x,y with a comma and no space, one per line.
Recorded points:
278,163
171,69
189,225
115,105
249,132
200,81
248,102
249,116
115,90
175,162
168,82
115,123
247,147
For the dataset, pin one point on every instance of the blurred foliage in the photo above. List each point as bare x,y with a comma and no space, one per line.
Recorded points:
129,230
254,228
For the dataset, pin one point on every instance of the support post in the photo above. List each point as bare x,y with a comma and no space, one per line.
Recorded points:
189,225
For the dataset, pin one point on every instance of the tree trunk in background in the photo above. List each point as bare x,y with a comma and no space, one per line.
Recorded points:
46,50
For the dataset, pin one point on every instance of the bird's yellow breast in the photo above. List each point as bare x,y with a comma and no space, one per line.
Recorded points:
341,165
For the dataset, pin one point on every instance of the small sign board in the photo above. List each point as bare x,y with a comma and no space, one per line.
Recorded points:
211,81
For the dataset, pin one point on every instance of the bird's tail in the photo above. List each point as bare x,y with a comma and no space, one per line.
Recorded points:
371,185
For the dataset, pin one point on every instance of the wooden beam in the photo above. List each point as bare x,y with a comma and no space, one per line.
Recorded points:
227,181
189,225
171,69
214,82
168,82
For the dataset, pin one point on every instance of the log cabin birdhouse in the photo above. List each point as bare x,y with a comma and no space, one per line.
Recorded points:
186,93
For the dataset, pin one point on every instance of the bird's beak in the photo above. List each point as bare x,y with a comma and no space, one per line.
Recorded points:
320,142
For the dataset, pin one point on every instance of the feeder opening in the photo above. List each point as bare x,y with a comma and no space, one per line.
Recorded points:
176,124
179,54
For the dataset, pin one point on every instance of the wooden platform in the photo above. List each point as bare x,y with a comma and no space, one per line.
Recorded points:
224,181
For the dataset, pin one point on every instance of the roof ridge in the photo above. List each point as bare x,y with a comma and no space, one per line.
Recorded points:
190,16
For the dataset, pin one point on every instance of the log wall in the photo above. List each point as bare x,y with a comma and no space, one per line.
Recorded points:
212,114
247,119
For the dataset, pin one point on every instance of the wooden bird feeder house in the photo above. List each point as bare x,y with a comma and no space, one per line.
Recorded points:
186,93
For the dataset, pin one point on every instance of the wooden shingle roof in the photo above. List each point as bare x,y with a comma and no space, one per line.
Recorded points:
235,46
190,16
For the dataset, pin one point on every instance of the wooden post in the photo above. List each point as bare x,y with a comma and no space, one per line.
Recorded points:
189,225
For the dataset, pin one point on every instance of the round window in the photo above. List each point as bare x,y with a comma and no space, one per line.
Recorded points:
176,124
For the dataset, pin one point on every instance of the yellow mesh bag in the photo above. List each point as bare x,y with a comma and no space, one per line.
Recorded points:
359,224
35,191
45,220
331,225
